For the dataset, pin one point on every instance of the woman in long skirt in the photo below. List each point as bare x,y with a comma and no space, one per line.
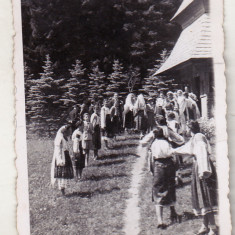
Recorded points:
79,156
150,114
106,123
96,137
140,114
128,117
62,167
204,179
87,131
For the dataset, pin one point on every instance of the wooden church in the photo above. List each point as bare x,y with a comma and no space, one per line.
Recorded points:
190,62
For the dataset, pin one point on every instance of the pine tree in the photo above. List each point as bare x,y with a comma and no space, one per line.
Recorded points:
97,83
133,79
28,77
44,101
117,80
76,86
153,83
36,106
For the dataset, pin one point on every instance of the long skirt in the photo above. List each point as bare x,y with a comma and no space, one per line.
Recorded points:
116,125
108,131
204,192
151,120
96,138
129,120
66,171
163,192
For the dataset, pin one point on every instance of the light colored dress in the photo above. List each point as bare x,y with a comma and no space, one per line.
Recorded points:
204,178
61,167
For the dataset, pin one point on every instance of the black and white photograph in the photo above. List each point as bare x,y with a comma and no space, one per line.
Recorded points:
123,106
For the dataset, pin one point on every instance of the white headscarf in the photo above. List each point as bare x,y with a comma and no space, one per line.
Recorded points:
129,105
140,103
60,145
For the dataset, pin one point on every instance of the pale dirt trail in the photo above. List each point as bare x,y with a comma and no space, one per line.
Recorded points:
132,212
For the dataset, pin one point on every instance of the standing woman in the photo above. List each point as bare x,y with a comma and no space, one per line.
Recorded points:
62,167
140,114
128,117
79,157
150,114
204,179
160,104
96,137
87,131
115,118
106,124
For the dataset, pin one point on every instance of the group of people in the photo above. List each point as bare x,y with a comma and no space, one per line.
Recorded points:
165,124
164,145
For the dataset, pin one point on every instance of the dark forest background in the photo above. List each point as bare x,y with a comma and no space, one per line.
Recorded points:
79,48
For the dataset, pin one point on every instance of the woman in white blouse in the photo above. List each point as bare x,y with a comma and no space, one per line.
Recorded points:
61,168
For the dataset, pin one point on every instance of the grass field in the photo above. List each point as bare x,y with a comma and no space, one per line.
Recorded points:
96,205
183,207
93,206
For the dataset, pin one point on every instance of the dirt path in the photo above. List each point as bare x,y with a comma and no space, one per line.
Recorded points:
132,212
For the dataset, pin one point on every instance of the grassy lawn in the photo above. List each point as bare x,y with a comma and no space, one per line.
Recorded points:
93,206
189,225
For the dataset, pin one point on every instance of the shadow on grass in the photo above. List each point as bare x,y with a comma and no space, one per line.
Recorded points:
114,162
120,146
103,177
90,194
116,155
189,216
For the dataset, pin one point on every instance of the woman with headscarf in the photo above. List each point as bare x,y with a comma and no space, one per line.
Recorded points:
106,123
128,117
96,137
160,104
150,114
204,179
183,111
62,167
140,114
194,107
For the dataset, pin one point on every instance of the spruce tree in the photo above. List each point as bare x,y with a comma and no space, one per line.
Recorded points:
28,77
117,80
76,86
35,104
97,83
155,83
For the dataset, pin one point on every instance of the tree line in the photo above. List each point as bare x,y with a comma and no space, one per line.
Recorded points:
49,99
134,31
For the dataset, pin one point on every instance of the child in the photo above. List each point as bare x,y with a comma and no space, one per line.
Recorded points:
163,191
204,179
61,167
96,138
79,157
87,131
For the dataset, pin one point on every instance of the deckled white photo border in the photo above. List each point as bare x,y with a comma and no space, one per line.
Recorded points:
20,135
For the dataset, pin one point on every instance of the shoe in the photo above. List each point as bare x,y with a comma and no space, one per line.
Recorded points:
203,230
175,218
162,226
